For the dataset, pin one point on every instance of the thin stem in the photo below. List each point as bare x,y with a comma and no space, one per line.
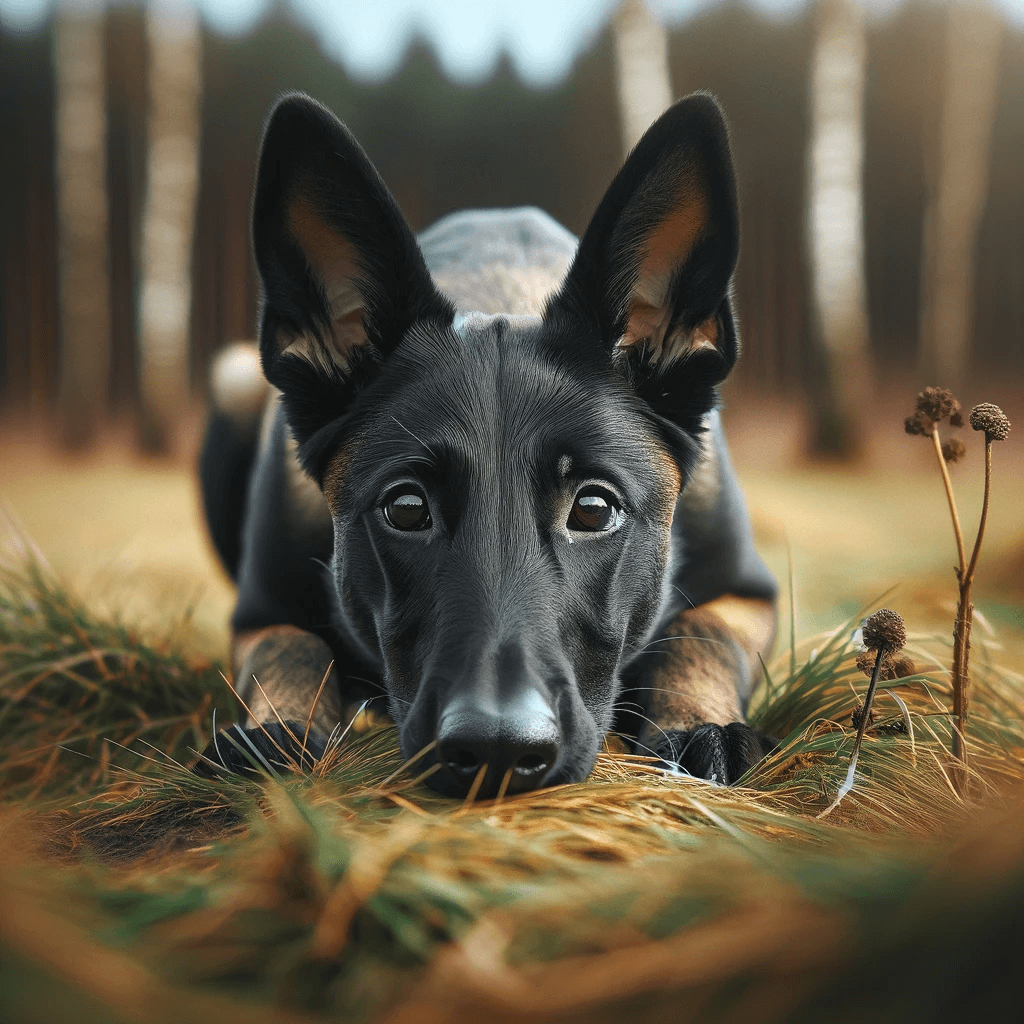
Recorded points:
861,729
868,698
969,576
962,634
952,503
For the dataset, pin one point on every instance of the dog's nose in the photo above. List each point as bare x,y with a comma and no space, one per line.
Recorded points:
517,744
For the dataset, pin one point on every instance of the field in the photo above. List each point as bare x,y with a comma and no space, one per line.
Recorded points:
133,891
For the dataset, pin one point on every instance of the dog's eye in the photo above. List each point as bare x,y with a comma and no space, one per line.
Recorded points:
595,510
406,509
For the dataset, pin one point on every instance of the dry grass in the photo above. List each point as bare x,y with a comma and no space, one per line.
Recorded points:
140,892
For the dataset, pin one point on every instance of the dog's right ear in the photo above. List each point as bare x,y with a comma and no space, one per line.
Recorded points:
652,275
343,278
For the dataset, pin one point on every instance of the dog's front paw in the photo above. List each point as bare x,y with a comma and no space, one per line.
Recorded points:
260,750
718,753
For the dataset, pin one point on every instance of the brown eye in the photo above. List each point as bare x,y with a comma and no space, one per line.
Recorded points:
407,509
595,510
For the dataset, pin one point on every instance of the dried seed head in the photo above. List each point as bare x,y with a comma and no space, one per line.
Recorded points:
858,716
937,404
884,629
953,450
866,662
919,423
903,667
890,668
992,420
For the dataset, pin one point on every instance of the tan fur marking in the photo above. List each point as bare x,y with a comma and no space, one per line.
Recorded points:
707,664
335,262
667,248
305,499
752,620
669,245
334,477
289,664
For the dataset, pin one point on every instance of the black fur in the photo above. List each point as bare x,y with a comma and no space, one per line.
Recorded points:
500,631
721,754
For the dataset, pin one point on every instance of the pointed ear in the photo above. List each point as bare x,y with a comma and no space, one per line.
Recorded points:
651,278
342,276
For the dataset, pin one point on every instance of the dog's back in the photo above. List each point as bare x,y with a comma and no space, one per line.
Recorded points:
498,261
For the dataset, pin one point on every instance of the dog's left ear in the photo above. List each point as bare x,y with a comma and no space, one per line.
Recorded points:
343,278
651,277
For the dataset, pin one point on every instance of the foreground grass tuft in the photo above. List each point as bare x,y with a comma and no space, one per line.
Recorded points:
356,893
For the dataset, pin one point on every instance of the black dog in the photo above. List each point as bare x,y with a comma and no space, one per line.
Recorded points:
516,519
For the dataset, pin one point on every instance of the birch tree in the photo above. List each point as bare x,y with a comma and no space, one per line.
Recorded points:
835,225
172,168
643,81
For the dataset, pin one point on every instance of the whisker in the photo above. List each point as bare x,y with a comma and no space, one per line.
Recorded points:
665,639
412,435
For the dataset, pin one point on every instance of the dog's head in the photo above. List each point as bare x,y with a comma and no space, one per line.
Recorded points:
502,489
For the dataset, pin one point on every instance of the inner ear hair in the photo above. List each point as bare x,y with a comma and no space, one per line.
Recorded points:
655,313
334,263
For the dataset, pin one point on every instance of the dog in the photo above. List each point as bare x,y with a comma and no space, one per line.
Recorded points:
483,472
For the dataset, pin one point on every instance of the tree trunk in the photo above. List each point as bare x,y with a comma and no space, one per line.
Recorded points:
168,220
957,200
81,149
641,69
841,380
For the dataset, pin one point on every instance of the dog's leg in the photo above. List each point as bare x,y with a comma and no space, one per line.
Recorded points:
695,677
695,681
283,672
291,698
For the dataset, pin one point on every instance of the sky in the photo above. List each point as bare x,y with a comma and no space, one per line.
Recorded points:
369,37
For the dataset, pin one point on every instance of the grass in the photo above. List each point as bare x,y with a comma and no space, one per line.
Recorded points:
135,891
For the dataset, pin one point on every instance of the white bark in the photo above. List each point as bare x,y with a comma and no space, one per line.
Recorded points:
641,69
955,208
168,217
81,156
836,217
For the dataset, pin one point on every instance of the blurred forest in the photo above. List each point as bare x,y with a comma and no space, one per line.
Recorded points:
441,145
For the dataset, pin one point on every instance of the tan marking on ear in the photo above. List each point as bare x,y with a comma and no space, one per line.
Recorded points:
335,262
669,244
665,250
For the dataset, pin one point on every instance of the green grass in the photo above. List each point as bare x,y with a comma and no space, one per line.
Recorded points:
135,891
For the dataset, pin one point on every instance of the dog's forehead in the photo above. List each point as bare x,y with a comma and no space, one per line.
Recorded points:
495,394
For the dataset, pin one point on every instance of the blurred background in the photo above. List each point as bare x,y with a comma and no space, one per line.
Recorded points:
879,148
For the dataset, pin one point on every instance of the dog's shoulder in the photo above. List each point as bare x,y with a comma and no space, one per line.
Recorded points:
498,261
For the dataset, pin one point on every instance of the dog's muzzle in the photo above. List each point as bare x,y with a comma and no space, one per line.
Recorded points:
495,748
